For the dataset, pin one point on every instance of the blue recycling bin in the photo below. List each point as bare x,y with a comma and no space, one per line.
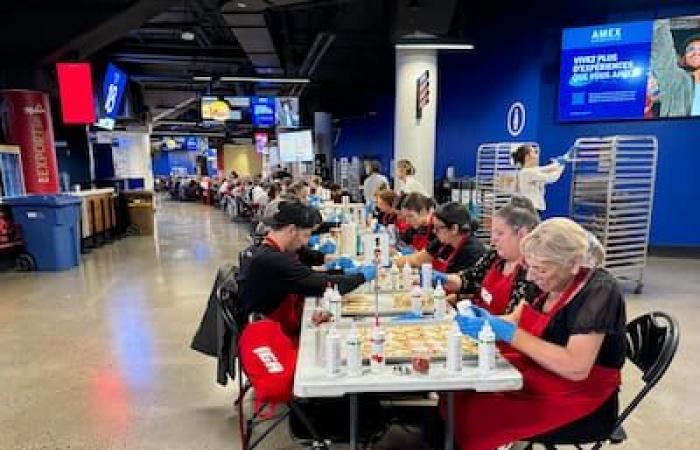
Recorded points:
50,226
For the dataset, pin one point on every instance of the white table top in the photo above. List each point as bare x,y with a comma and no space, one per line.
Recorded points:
89,192
311,379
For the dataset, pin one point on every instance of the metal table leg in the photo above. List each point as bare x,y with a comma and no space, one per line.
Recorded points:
353,420
450,425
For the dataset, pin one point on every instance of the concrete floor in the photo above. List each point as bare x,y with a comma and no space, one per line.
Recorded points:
98,357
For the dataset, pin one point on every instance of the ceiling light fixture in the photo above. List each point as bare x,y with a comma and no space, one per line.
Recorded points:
241,5
201,78
265,80
432,46
187,35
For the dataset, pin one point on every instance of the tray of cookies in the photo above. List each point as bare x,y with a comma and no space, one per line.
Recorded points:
390,303
401,340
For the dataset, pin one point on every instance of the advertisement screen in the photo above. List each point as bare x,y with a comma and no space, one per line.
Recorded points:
287,112
75,92
263,111
635,70
236,109
296,146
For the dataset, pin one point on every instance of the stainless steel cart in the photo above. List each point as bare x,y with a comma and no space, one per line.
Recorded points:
496,179
612,193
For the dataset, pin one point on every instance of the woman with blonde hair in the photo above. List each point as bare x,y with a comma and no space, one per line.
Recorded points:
406,183
569,345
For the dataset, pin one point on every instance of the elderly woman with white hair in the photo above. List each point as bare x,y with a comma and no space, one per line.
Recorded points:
569,345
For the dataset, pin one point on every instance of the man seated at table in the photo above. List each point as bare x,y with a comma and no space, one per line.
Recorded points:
273,280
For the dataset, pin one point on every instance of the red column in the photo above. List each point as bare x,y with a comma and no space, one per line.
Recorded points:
26,119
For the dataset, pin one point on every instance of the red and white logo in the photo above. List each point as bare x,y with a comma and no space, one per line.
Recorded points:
269,359
36,109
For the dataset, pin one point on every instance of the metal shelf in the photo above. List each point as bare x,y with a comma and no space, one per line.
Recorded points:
495,180
612,194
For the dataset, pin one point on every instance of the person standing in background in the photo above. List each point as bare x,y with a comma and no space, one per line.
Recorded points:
532,178
373,181
406,183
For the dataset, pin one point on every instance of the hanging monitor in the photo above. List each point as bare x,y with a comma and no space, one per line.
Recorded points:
296,146
287,112
633,70
75,92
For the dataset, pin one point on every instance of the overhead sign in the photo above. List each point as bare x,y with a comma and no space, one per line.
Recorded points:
75,93
113,89
515,119
422,93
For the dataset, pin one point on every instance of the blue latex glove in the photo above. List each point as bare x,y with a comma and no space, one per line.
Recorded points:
342,262
470,326
314,240
369,271
405,250
503,329
408,316
377,228
439,277
327,247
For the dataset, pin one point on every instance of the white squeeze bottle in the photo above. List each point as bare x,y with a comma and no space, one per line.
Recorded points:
464,308
487,348
333,352
337,302
406,275
417,299
327,298
353,351
454,350
395,276
439,302
377,356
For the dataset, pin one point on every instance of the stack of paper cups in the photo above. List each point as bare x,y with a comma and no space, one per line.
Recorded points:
348,239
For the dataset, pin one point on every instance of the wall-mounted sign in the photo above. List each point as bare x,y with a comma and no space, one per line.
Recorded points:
422,93
515,119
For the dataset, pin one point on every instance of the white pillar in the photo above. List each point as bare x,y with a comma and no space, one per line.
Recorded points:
414,139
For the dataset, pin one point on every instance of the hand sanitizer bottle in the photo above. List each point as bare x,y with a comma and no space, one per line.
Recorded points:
487,348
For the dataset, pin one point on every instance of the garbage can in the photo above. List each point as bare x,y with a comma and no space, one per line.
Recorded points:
140,209
50,226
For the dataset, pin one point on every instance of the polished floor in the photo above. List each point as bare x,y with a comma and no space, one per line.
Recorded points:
98,357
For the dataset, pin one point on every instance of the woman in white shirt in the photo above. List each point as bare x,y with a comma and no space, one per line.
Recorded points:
531,178
405,181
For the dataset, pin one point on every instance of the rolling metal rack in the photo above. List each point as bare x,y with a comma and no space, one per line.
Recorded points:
612,193
496,179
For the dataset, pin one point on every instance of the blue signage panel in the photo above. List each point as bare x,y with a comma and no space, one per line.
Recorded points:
263,111
113,88
604,71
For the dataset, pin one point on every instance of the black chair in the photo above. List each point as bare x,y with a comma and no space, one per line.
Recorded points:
652,341
228,300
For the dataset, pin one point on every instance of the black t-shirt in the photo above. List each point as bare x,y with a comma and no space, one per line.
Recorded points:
598,307
267,276
466,257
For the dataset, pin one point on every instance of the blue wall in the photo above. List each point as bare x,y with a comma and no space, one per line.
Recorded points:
369,135
476,89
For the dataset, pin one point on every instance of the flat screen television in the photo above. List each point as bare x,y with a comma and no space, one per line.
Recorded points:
75,92
221,109
287,112
263,109
296,146
631,70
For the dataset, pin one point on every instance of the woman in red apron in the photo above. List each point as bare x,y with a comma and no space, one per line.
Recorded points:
454,247
416,214
497,282
570,344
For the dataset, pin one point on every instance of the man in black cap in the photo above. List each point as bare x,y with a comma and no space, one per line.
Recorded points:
273,280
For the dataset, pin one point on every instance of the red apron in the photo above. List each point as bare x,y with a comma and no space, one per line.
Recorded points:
290,311
496,289
421,239
546,402
441,265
